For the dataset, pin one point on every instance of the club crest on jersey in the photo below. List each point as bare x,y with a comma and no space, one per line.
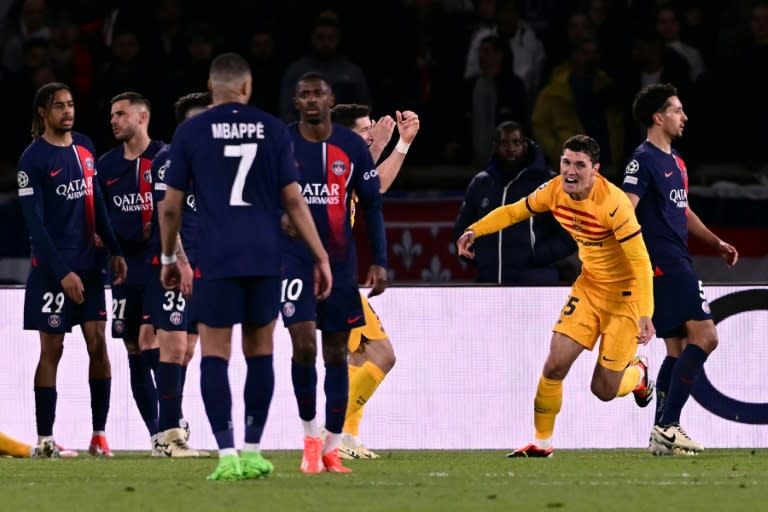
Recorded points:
338,168
119,326
576,223
705,307
54,320
632,167
484,203
175,318
22,179
148,175
289,309
89,163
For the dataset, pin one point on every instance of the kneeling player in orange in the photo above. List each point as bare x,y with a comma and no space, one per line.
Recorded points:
612,297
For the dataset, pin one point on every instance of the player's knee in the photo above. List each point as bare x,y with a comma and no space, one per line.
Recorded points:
386,361
554,371
132,347
304,350
706,340
335,355
97,348
710,342
602,391
51,353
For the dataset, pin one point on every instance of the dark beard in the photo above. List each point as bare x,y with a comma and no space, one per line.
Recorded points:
60,131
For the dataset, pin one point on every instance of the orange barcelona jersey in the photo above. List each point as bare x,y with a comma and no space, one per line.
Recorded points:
601,224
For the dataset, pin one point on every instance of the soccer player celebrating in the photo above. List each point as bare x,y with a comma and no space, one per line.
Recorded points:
656,181
612,296
64,211
241,164
334,163
371,356
126,180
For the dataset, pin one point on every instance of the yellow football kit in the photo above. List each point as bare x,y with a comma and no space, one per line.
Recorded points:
614,288
371,331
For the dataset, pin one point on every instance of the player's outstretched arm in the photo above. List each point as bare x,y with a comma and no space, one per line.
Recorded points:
697,228
298,212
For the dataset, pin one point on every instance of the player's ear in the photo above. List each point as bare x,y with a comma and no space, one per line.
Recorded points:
333,100
210,86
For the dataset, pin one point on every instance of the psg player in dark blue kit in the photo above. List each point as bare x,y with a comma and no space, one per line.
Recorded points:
656,181
335,164
64,211
170,308
241,164
126,181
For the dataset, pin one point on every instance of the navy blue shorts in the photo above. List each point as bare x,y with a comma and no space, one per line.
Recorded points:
166,308
341,311
47,309
678,298
128,311
236,300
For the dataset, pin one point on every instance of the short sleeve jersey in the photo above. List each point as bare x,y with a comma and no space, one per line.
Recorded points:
127,187
599,224
238,159
57,182
660,180
331,171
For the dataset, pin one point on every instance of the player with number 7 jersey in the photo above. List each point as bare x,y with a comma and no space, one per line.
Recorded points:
240,161
241,157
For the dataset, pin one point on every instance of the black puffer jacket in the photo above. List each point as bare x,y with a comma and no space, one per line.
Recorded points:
525,252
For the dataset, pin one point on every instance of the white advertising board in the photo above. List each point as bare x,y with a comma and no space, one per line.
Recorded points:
468,362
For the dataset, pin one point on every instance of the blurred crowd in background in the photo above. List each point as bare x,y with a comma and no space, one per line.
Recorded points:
557,67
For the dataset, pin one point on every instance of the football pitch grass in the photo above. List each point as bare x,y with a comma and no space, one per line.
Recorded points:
572,480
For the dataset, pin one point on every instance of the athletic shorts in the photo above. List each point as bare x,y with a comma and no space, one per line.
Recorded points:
47,309
341,311
678,298
236,300
166,308
371,331
586,318
128,311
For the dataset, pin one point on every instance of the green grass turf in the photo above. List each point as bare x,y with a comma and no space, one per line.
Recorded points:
572,480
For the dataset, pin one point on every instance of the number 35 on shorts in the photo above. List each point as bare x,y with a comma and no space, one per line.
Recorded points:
174,301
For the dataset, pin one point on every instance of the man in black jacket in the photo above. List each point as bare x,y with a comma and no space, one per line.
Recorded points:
526,252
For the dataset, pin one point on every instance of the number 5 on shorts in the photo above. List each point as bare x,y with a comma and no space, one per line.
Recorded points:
570,306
